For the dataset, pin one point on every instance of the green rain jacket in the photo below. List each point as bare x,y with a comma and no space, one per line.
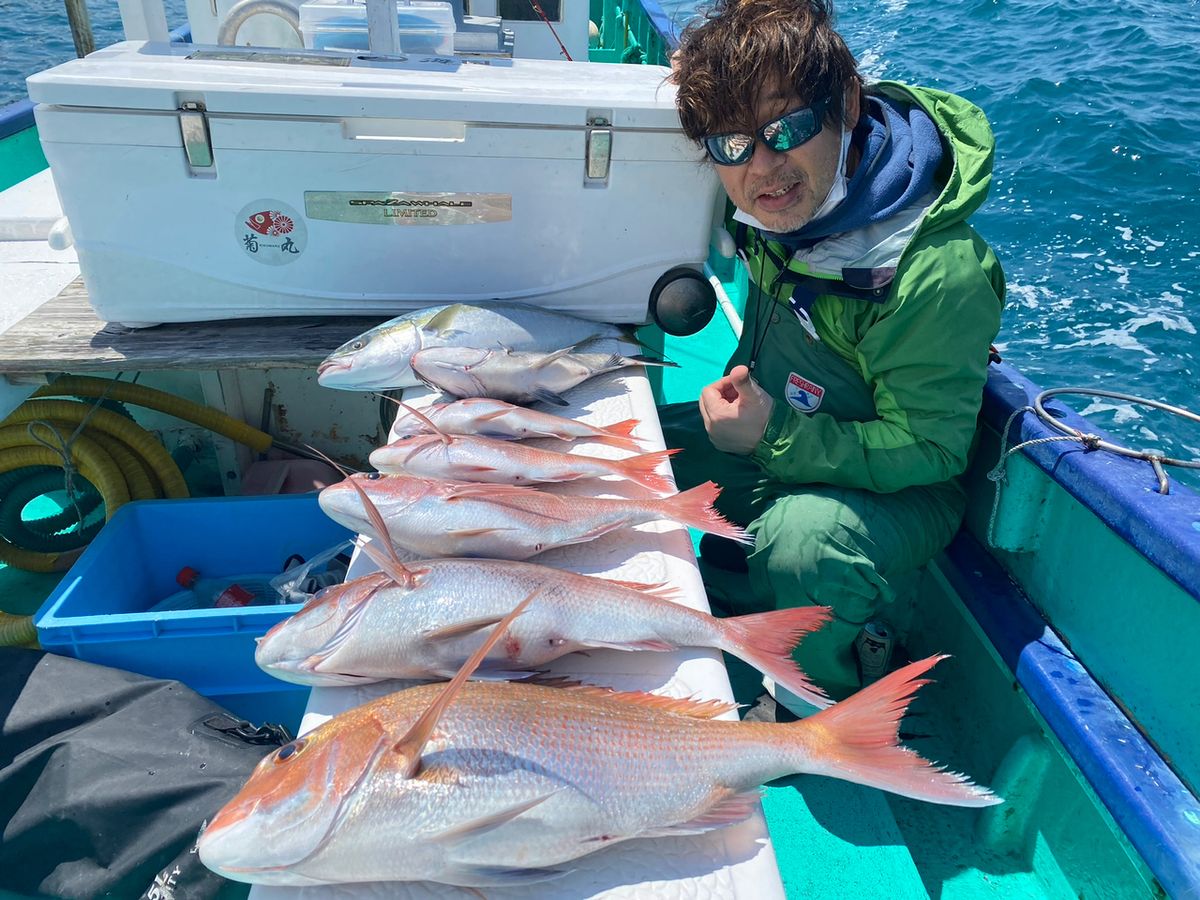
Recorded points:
887,391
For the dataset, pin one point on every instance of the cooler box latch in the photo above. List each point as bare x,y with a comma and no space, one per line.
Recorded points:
193,126
599,149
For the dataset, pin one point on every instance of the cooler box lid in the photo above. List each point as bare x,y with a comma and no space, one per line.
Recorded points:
136,75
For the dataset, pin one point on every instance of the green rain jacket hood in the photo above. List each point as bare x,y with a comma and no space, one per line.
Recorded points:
901,371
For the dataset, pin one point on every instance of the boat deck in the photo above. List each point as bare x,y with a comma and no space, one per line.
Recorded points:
64,334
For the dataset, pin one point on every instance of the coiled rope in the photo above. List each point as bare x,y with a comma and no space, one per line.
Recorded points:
999,473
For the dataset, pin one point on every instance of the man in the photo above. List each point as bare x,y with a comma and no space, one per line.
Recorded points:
849,407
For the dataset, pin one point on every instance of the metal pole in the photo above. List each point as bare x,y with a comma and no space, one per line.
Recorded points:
81,27
383,27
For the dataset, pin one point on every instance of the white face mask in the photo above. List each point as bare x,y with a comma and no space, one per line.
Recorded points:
837,190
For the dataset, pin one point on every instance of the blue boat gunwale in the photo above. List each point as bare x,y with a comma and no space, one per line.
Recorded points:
1152,806
1122,492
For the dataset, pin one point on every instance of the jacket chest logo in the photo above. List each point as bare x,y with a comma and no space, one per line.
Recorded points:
803,394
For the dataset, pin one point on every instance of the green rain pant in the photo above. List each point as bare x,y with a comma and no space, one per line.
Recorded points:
845,548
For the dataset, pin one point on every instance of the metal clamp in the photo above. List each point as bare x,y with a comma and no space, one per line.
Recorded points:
197,144
599,149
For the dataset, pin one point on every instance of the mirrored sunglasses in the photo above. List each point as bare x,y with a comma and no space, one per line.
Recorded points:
787,132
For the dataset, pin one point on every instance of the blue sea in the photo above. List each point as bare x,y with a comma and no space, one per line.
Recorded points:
1095,205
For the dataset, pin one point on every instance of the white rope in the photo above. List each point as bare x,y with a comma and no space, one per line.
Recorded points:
999,473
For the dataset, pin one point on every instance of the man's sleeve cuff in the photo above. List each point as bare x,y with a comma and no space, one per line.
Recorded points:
777,426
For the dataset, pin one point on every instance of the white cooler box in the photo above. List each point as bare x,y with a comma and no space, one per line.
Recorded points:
205,183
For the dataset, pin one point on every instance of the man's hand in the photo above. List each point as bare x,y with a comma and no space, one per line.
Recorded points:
735,412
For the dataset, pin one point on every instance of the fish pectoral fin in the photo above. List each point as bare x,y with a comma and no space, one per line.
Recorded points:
464,831
474,532
498,876
653,644
460,629
557,354
730,810
474,490
545,395
442,319
495,414
483,673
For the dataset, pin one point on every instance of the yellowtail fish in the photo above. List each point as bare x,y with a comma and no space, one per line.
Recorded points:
472,458
518,377
450,518
485,784
379,358
504,421
423,620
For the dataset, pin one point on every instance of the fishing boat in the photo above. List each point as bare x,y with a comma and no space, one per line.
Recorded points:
1068,601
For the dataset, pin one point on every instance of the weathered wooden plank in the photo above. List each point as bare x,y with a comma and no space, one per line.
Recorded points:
64,335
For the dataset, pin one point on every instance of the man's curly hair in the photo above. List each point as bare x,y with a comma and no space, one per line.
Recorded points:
741,47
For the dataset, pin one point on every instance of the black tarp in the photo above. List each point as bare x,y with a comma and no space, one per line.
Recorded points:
106,778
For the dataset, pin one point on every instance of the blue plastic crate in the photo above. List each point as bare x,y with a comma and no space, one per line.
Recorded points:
98,612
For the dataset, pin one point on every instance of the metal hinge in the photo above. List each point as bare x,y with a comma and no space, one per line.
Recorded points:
197,144
599,148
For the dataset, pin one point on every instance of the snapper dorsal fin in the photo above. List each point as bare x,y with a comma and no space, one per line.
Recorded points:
414,740
680,706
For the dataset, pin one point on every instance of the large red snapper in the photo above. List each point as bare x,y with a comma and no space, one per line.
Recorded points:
436,613
450,518
513,780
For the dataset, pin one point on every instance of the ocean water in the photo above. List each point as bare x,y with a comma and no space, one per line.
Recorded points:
1095,202
1095,205
35,35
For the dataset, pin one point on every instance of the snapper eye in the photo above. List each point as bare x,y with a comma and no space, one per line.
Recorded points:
374,476
287,751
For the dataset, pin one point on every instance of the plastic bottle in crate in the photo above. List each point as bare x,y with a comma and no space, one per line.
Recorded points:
218,593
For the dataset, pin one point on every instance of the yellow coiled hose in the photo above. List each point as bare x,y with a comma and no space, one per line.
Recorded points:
17,631
121,459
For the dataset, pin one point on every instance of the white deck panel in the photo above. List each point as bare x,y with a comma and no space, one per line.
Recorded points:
30,271
733,862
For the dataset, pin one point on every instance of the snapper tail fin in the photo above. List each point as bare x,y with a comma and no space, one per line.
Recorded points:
643,469
619,434
858,740
694,508
765,641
